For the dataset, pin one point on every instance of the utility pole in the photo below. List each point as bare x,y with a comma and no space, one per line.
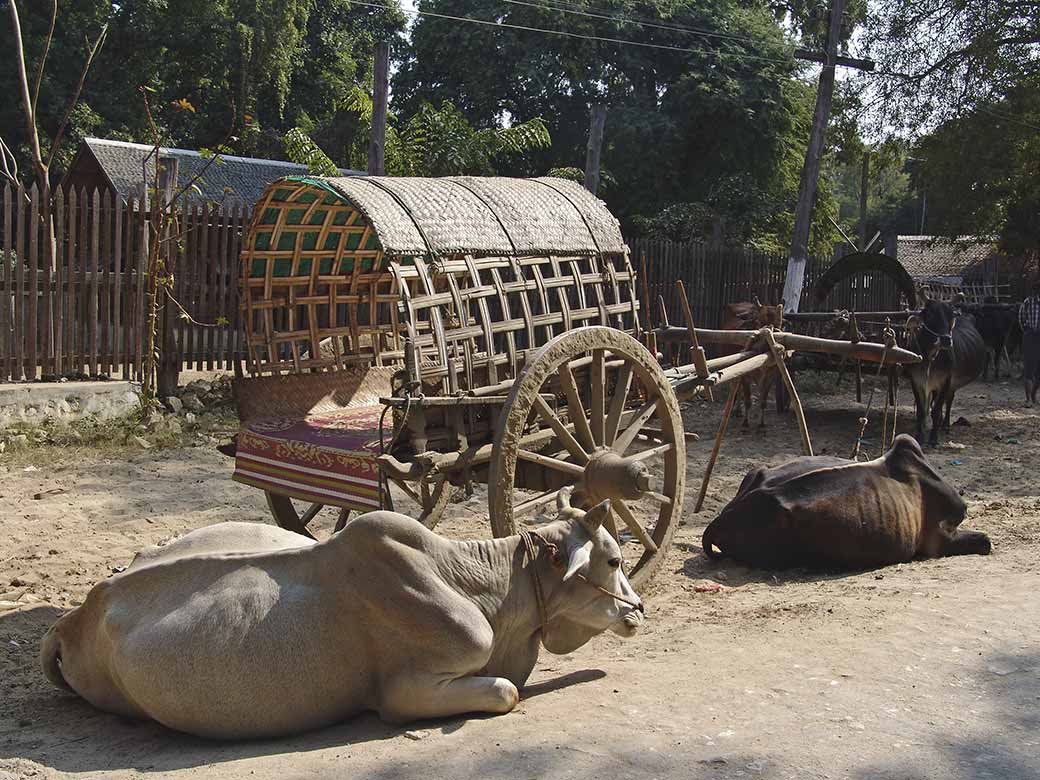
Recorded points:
380,94
799,255
598,118
863,181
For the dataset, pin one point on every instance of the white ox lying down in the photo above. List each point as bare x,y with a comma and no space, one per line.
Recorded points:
241,630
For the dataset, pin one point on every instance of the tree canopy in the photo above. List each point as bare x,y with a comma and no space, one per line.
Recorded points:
708,111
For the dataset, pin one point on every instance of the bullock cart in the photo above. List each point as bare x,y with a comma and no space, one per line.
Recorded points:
405,336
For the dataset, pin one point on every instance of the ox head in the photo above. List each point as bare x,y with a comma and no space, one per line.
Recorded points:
593,594
931,329
943,505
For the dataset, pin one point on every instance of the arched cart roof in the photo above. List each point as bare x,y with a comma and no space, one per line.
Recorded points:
481,216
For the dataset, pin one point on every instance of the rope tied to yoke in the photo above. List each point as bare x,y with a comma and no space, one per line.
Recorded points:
889,338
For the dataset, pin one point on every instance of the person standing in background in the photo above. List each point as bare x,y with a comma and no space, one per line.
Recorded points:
1029,319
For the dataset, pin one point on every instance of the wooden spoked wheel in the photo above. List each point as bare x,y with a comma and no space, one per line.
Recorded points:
299,516
593,409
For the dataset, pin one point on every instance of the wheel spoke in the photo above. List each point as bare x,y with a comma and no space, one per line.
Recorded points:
636,424
408,491
574,405
660,449
532,504
617,403
660,498
597,412
312,510
637,530
552,463
561,430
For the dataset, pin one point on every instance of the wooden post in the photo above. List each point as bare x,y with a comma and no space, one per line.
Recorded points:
169,361
779,355
598,118
737,384
380,90
863,181
799,254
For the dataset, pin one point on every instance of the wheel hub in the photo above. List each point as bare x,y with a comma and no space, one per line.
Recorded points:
608,475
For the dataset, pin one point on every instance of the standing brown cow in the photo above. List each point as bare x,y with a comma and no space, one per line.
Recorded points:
745,315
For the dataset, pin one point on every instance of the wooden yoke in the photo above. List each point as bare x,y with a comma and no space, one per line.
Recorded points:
697,355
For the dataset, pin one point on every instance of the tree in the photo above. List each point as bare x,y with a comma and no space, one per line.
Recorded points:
938,58
718,123
981,171
434,142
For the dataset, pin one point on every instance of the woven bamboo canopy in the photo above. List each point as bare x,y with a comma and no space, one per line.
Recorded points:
480,216
336,271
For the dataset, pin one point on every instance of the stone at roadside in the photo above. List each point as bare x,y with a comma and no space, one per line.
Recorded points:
192,403
141,442
189,418
199,387
18,440
174,404
173,426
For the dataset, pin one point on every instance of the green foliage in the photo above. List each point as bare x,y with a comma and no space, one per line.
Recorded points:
265,66
682,127
441,142
607,182
938,57
299,148
981,171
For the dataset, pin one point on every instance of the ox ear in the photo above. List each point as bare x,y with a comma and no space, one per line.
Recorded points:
594,518
563,498
579,557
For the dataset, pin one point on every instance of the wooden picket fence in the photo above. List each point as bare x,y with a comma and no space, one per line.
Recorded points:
714,276
81,313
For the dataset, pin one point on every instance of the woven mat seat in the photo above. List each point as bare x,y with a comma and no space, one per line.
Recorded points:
328,457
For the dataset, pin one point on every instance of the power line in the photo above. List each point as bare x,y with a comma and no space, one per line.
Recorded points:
1006,118
566,34
571,8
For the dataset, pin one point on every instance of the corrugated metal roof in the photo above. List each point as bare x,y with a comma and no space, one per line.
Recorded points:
926,257
481,216
233,180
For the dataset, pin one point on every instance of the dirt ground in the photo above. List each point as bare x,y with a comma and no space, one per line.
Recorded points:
923,670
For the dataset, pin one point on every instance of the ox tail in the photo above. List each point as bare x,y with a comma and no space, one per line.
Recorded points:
708,541
50,657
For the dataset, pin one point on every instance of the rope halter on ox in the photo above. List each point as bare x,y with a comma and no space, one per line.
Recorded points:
531,540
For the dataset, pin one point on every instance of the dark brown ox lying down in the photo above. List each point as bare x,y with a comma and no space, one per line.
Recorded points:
836,513
244,630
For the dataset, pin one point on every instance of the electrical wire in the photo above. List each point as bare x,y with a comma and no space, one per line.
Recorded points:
566,34
572,8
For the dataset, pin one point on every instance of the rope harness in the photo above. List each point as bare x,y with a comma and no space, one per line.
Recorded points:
889,336
529,539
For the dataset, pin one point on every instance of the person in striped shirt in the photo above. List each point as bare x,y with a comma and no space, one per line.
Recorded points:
1029,318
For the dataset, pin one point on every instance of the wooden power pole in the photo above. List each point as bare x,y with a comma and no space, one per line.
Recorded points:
380,94
799,255
598,118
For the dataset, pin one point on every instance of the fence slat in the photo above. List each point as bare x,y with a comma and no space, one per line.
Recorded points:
118,340
59,282
106,285
95,268
141,323
48,368
32,320
19,288
7,283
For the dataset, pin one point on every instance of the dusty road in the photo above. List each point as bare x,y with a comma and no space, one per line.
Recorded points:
925,670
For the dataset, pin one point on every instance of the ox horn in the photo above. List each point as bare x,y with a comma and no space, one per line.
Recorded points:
563,498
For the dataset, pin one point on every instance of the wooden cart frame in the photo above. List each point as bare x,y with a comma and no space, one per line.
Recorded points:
495,325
